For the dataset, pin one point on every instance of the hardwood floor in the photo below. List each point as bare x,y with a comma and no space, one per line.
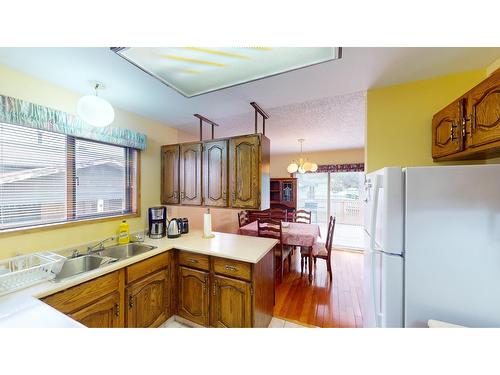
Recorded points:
323,304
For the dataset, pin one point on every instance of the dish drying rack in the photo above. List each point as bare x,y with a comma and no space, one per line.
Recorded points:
26,270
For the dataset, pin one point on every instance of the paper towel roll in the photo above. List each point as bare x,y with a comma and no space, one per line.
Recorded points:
207,225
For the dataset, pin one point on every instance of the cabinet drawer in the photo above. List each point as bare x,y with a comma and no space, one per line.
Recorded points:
145,267
233,268
193,260
79,296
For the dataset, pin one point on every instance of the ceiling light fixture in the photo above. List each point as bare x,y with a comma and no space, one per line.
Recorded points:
303,165
95,110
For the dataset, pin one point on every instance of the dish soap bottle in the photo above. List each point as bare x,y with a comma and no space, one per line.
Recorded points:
123,233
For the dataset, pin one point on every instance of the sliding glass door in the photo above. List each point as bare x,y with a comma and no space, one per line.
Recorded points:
334,194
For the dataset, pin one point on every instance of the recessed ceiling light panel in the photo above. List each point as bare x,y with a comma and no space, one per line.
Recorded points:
194,71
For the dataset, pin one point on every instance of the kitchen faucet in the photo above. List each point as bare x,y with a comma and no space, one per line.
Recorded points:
99,246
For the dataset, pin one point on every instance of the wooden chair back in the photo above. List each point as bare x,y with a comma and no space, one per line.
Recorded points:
243,218
278,214
255,215
302,216
329,236
270,228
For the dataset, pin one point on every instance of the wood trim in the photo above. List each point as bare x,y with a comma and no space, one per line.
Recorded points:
66,224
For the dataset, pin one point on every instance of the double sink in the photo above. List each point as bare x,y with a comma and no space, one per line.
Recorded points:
100,258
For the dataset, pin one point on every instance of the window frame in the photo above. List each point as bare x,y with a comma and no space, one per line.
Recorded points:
133,192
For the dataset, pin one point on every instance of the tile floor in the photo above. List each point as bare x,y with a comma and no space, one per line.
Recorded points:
275,323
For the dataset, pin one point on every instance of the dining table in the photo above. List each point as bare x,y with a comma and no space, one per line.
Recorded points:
293,234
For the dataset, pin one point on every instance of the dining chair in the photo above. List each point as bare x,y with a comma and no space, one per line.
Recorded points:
302,216
278,214
243,218
255,215
321,250
271,228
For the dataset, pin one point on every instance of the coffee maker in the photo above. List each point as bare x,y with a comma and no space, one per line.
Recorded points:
157,221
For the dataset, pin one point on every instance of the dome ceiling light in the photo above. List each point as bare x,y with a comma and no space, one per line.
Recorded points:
302,165
95,110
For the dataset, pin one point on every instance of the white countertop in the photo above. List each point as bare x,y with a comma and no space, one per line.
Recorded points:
21,311
20,308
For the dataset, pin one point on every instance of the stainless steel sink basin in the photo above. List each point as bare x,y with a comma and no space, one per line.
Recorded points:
125,251
76,266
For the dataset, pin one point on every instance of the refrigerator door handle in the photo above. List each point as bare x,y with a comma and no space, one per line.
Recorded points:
373,250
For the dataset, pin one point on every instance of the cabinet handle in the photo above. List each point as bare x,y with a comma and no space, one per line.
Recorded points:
130,301
205,284
182,195
464,126
452,131
117,310
230,268
233,195
224,196
215,287
192,260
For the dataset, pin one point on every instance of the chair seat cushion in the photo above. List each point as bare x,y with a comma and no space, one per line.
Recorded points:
319,249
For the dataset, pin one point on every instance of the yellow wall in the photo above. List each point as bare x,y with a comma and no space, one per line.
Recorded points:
399,118
280,162
493,66
22,86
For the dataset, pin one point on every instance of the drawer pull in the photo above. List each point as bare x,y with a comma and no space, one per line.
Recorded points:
192,260
117,310
230,268
130,301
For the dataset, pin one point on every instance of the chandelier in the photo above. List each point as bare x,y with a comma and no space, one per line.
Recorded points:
302,165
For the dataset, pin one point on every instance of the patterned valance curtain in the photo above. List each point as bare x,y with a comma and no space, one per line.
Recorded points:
19,112
355,167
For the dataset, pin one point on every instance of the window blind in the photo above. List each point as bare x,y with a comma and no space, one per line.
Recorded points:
32,176
47,177
101,179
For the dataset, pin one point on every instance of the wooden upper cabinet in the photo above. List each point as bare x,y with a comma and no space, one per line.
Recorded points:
231,303
193,295
447,130
190,174
148,301
170,174
103,313
484,111
215,166
225,172
245,172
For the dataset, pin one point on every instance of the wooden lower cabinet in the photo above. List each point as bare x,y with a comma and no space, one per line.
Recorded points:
103,313
193,295
231,305
148,301
226,293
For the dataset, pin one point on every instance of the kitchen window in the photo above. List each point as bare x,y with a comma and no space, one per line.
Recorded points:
51,178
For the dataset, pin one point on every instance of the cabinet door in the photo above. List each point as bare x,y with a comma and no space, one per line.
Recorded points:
148,301
447,135
193,295
231,303
170,174
244,159
484,110
103,313
215,173
190,174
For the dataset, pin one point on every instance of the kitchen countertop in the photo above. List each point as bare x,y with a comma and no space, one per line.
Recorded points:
18,309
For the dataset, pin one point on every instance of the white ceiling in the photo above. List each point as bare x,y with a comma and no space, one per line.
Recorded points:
316,87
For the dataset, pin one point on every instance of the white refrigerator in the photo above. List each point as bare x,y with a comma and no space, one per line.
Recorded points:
432,246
